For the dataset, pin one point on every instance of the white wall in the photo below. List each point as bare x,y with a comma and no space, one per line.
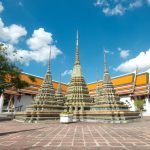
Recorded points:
130,103
147,107
25,101
127,99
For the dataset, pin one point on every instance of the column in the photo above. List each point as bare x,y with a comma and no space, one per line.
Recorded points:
1,102
147,99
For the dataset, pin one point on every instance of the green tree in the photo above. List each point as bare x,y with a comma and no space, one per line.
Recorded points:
139,105
10,74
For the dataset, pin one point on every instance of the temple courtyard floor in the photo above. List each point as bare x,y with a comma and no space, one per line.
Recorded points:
75,136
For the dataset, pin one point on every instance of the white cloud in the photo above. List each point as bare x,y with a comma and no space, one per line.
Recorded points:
12,33
39,39
141,61
26,56
66,72
101,3
39,47
118,7
109,52
20,3
136,4
117,10
148,1
1,7
124,53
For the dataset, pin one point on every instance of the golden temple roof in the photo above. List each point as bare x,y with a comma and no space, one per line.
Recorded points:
142,79
122,80
38,81
123,84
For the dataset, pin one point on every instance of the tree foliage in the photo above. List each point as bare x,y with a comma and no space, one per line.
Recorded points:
10,74
139,103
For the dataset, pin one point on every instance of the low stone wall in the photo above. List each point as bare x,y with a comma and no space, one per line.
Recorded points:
6,116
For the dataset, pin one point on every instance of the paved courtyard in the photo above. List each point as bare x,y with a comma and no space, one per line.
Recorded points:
75,136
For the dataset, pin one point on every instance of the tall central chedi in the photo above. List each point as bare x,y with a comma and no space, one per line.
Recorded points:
78,98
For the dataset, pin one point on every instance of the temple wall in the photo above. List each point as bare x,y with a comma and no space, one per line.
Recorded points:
127,99
23,102
147,107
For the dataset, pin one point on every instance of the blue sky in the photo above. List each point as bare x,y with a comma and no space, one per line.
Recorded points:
120,26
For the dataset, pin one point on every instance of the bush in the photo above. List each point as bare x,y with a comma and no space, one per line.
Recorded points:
139,104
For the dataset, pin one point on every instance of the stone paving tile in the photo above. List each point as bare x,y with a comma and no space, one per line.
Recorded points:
77,136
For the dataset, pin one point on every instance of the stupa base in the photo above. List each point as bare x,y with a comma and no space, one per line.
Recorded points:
35,117
108,116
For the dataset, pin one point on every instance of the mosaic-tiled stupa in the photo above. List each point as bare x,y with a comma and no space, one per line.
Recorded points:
45,105
98,93
108,107
77,96
106,94
59,95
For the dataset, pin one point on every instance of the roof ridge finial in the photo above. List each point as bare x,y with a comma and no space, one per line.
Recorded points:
135,78
60,79
59,85
97,77
77,49
136,70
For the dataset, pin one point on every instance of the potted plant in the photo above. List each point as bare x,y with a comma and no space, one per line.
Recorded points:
66,117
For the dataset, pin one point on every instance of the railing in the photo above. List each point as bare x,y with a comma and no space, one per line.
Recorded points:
16,109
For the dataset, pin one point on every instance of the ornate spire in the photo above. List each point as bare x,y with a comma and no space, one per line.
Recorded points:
60,98
49,60
106,78
105,63
77,50
60,79
77,93
48,77
97,77
59,85
97,87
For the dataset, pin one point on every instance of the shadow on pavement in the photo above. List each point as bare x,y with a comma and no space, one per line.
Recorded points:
12,132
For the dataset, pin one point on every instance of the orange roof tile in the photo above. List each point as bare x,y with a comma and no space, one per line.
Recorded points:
39,81
123,84
25,77
116,81
63,86
142,79
123,80
92,86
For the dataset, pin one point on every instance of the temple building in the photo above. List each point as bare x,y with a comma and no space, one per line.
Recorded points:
46,105
129,87
59,95
78,95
